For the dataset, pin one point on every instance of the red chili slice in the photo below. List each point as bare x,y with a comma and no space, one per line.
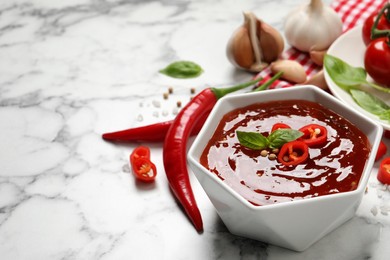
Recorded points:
144,170
382,149
280,126
139,152
293,153
384,171
314,135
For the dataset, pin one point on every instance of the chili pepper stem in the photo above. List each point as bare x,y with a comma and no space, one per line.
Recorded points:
220,92
269,82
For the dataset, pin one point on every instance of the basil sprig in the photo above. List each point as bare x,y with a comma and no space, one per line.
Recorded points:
347,76
371,104
351,79
182,69
276,139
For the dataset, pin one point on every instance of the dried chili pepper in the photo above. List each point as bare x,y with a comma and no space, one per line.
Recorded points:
175,145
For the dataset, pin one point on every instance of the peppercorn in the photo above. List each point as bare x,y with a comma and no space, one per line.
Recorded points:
272,156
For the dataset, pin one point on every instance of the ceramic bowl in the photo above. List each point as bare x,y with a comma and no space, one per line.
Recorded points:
295,225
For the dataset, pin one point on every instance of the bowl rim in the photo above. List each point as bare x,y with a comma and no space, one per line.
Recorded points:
363,180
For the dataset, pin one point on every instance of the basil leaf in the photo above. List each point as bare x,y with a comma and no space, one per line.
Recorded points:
281,136
369,102
385,115
252,140
182,69
343,74
276,139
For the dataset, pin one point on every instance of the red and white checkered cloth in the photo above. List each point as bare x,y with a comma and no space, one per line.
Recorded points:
352,13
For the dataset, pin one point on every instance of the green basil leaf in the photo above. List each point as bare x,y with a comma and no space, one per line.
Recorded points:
182,69
347,76
385,115
343,74
369,102
281,136
252,140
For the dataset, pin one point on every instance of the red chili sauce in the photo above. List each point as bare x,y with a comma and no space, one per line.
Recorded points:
334,167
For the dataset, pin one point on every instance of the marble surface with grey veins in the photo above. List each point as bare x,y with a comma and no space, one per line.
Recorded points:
71,70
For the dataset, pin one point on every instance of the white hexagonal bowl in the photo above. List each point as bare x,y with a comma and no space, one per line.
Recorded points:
294,225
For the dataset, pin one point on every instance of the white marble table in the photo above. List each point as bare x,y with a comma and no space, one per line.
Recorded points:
71,70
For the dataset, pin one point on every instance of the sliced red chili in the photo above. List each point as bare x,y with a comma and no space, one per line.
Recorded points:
144,169
384,171
140,152
382,149
293,153
314,135
280,126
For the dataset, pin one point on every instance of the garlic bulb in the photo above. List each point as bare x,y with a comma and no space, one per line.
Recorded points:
254,45
312,27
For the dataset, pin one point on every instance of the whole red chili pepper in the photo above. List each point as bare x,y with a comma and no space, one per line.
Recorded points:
149,133
157,132
175,147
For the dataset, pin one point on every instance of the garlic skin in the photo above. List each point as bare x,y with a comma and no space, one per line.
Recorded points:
313,26
254,45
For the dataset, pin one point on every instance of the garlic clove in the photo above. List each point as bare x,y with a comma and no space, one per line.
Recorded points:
317,56
293,71
318,80
254,44
271,41
241,49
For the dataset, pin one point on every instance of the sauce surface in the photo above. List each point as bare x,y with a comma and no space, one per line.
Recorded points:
334,167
